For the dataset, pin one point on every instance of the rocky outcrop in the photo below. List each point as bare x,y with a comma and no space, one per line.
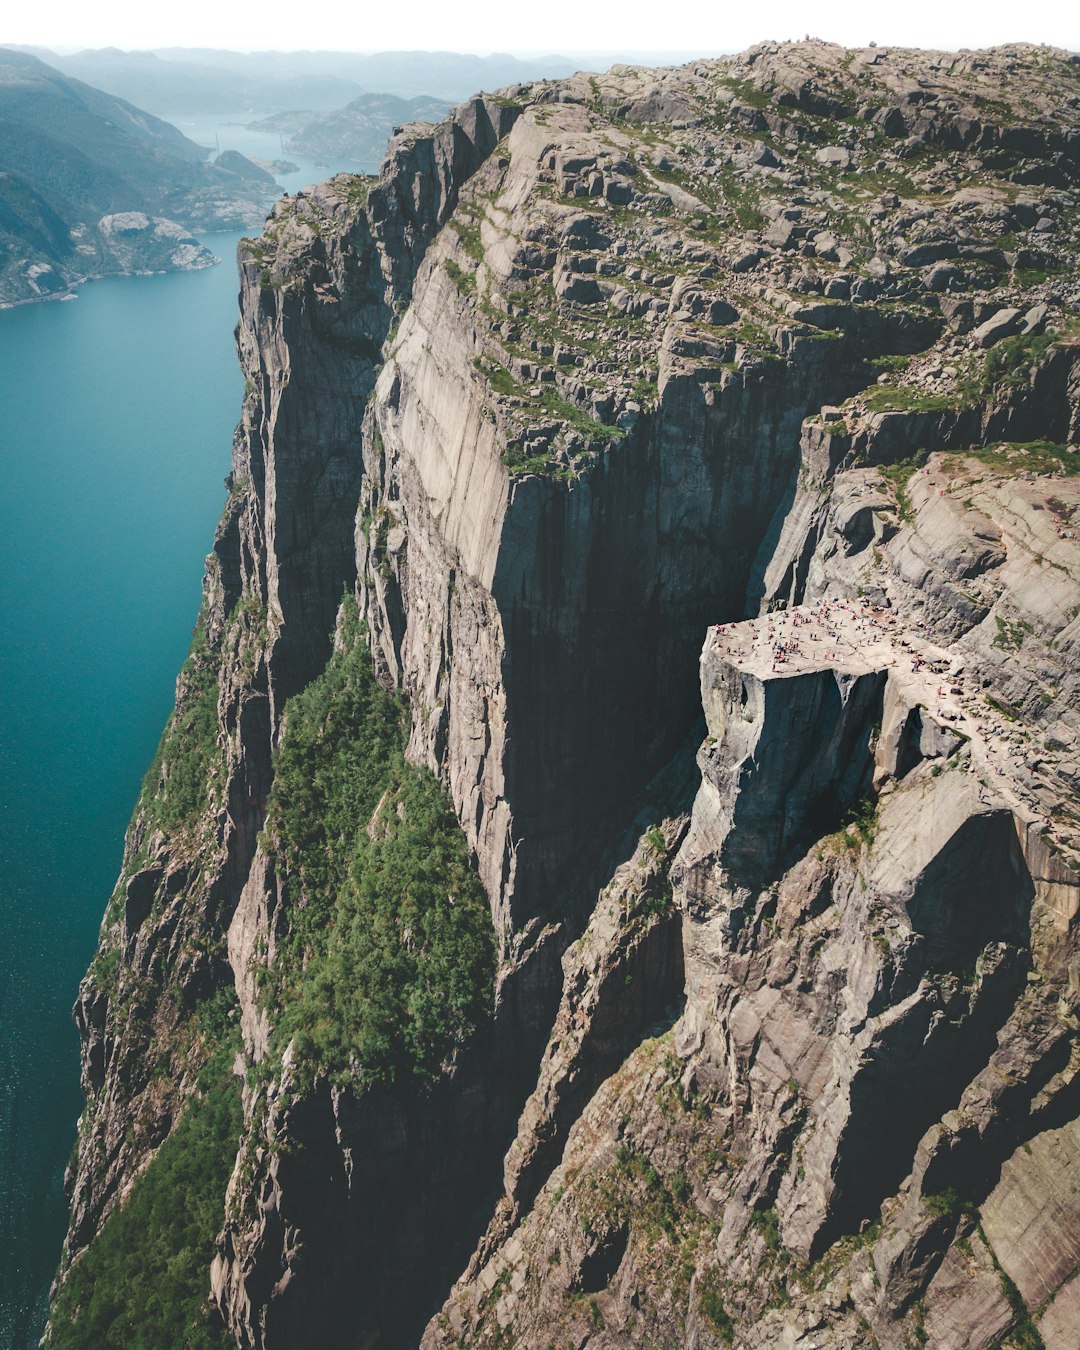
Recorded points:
780,1052
140,243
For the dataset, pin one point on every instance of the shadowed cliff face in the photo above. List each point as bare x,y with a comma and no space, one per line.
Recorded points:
591,368
580,600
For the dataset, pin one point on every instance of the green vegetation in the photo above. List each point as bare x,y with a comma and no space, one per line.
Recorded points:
947,1204
144,1282
767,1223
646,392
1000,708
464,281
1045,457
654,840
757,338
1009,363
1010,635
355,187
389,962
247,633
466,225
859,829
655,1207
747,93
1024,1334
897,476
176,789
711,1302
499,377
548,401
862,820
889,363
905,398
553,403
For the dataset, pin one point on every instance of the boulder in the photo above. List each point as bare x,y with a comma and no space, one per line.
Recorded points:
834,157
761,155
1034,321
1000,325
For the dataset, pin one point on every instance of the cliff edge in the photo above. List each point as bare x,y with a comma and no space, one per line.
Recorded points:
616,849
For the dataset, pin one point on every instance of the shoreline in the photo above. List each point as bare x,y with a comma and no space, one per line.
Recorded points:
71,291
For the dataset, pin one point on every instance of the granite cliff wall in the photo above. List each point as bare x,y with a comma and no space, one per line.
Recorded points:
592,367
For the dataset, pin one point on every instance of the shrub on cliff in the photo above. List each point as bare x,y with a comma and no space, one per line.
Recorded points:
390,957
144,1283
175,791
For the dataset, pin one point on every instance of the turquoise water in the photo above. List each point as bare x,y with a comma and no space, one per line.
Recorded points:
116,418
115,434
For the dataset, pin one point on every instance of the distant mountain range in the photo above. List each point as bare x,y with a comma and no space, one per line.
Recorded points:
359,131
196,80
90,185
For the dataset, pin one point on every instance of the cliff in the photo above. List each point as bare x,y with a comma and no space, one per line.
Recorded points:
545,1032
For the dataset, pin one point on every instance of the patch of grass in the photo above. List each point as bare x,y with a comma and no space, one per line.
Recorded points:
1042,457
1010,362
890,363
1024,1334
748,93
466,226
948,1204
355,187
499,377
557,407
767,1223
711,1303
645,391
655,1208
464,281
1001,709
654,840
862,820
905,398
344,739
897,476
1010,636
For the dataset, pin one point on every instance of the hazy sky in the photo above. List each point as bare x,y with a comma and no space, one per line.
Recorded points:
570,26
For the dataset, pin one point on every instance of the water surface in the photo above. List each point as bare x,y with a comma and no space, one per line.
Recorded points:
116,419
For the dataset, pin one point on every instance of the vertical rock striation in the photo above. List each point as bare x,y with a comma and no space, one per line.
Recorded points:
781,1044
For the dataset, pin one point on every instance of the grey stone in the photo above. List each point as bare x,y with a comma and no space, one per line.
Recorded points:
834,156
1002,324
1034,321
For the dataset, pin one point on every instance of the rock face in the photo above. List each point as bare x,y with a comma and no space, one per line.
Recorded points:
782,1049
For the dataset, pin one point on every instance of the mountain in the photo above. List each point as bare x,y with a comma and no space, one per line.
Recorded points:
179,80
359,131
91,185
611,875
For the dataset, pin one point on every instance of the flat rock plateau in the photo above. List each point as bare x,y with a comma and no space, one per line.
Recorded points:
618,837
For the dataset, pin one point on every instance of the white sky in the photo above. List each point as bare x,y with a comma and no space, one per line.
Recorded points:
544,26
